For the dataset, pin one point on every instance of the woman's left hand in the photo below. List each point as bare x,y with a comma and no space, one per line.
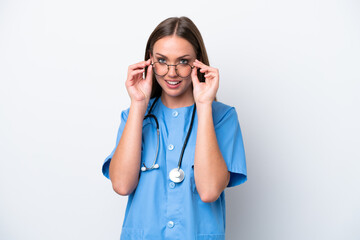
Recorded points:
205,92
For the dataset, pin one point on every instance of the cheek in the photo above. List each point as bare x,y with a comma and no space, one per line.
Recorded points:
189,80
158,79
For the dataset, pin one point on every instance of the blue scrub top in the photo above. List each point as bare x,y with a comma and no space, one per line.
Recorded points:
161,209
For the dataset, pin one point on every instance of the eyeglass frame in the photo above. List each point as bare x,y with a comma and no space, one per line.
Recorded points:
168,67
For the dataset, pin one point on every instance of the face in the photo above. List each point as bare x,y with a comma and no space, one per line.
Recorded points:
174,50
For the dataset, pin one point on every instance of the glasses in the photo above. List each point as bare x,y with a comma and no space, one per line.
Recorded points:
183,70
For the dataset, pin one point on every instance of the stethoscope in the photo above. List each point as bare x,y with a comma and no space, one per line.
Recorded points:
177,174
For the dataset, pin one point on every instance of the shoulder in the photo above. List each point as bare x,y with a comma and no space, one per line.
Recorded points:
220,107
222,111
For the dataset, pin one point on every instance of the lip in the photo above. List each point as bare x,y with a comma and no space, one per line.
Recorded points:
172,86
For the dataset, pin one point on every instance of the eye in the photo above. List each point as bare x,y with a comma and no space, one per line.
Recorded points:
161,60
184,61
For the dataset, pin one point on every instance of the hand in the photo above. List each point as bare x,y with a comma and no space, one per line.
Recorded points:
139,89
205,92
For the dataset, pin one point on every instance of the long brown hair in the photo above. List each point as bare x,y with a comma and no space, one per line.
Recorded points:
182,27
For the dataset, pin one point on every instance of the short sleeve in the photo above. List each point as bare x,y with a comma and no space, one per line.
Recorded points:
231,145
106,164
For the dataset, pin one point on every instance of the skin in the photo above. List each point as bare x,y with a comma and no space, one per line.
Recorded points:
210,170
168,49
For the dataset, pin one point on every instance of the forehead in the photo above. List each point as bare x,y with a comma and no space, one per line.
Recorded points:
173,46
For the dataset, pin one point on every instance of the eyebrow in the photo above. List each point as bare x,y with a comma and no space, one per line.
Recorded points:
186,55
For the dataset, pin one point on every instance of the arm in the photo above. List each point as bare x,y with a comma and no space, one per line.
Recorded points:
125,164
210,170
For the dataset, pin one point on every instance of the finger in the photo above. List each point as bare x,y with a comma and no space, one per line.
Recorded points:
204,70
213,74
194,77
135,72
149,74
141,64
203,67
210,75
197,62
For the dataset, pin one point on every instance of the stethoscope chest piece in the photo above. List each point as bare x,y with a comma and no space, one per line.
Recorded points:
177,175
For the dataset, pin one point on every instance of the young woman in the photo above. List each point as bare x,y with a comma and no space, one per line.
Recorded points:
177,148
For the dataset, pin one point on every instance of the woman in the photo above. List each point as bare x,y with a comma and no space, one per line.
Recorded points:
175,180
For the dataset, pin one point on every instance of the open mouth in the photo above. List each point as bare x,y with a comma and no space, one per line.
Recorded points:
173,83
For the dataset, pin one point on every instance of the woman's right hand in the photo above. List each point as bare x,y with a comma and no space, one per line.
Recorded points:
139,89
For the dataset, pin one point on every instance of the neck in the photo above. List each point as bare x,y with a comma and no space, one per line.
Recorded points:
177,102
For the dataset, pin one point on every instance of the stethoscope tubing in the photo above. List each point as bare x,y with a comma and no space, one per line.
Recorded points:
187,137
154,165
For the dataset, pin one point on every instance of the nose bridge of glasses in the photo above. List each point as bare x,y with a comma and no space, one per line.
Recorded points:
174,69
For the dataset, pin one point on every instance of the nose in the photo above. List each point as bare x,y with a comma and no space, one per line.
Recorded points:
172,71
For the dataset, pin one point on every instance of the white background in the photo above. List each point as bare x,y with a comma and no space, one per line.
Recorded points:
291,69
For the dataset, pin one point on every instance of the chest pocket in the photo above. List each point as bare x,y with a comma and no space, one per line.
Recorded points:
192,179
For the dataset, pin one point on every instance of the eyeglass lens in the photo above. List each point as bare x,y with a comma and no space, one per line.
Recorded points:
183,70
